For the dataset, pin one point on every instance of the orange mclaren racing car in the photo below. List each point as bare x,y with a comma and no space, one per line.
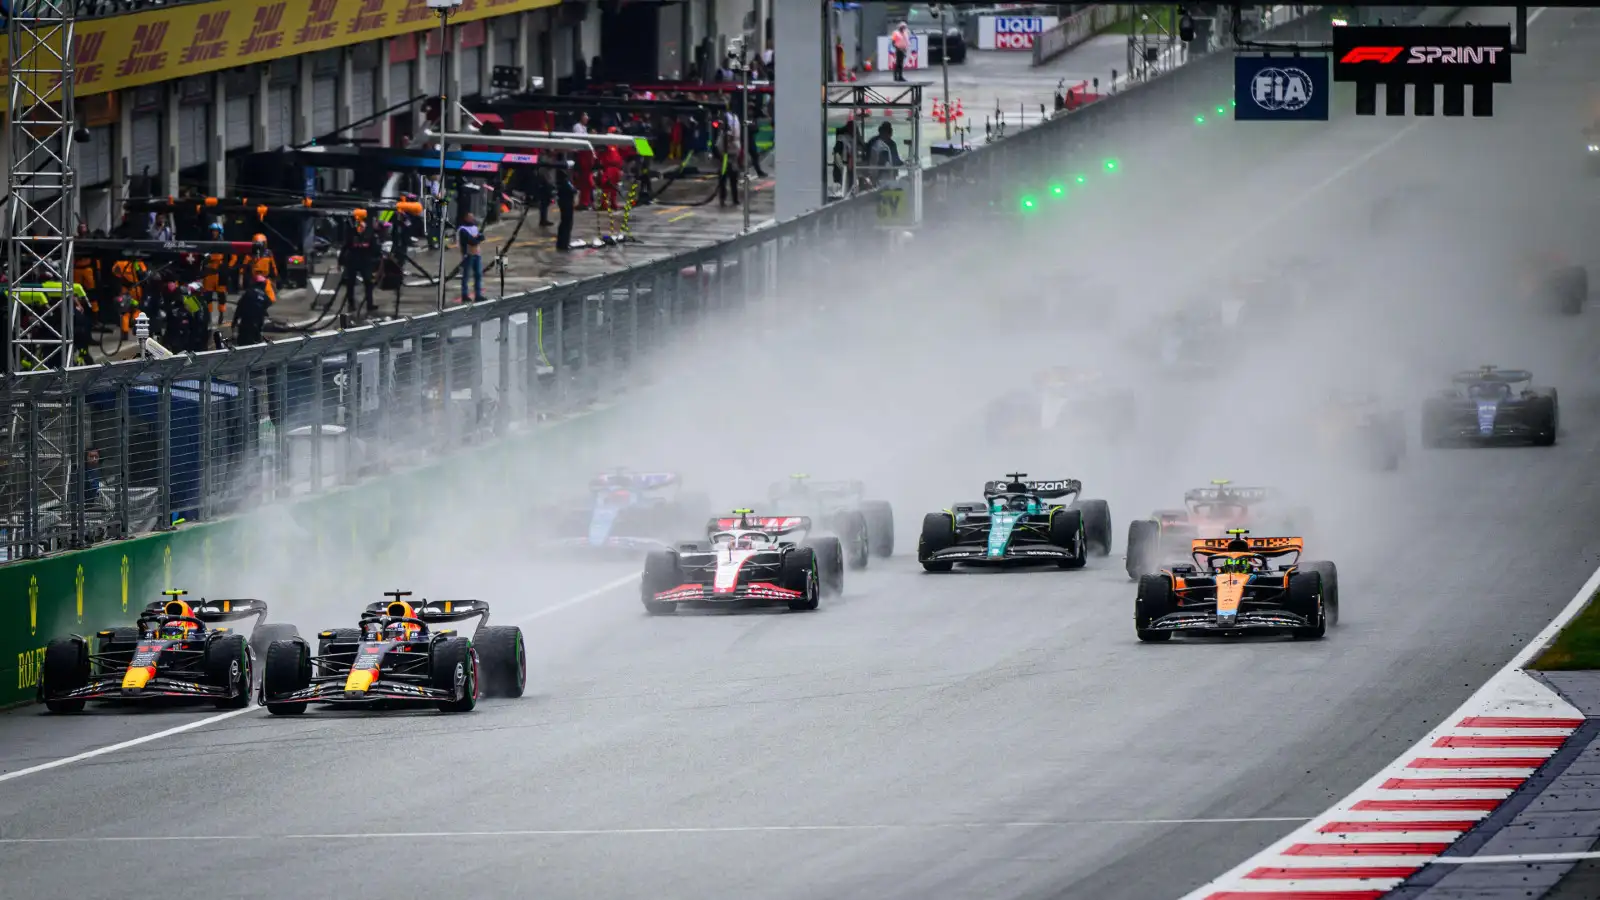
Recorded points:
1238,585
175,650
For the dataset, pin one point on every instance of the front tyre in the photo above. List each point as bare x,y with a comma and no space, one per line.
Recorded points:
938,533
228,666
1155,600
287,670
880,527
661,573
799,573
1096,525
1330,587
1307,598
1066,532
455,670
1144,542
66,668
830,564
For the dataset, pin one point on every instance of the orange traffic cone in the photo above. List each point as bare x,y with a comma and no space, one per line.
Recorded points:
958,112
938,111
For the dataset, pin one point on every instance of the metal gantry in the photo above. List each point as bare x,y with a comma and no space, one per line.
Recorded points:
43,441
899,188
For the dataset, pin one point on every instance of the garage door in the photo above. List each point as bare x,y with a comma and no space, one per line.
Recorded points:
505,52
363,94
324,106
194,143
93,161
400,82
146,156
240,122
471,71
280,117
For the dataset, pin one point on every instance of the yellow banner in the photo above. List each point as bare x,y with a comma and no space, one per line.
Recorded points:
141,48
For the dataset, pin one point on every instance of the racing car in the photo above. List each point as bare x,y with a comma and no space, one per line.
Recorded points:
394,657
173,650
1484,406
1356,424
1060,396
1208,511
1017,522
747,560
865,527
626,511
1233,588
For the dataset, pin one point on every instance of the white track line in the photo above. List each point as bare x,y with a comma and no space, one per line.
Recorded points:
626,832
220,717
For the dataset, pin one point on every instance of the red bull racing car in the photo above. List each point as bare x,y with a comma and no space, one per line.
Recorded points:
747,560
396,658
1233,588
174,650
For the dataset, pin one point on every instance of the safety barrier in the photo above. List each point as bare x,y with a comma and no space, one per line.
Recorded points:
291,428
1075,29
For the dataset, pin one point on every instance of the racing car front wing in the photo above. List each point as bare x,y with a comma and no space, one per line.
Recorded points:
705,593
1246,620
110,687
978,554
333,691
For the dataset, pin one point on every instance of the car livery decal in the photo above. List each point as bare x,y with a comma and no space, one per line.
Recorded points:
728,566
1230,592
1001,525
600,524
1486,413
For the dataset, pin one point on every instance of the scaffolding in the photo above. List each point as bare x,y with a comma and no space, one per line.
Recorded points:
899,187
40,426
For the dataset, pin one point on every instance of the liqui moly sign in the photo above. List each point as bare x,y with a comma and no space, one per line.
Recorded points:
1012,32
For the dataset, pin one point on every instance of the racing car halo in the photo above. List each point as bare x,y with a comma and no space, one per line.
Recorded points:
747,560
173,650
1017,522
395,658
1483,407
1232,588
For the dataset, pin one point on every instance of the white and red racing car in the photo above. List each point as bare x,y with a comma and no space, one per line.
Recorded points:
747,560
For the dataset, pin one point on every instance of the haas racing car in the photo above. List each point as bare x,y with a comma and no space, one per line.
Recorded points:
1484,406
1233,588
1208,511
625,511
173,650
394,657
865,527
746,560
1017,522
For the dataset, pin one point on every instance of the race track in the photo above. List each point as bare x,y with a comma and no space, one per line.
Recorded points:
972,736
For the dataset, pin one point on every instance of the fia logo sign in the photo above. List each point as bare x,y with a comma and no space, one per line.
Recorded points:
1282,90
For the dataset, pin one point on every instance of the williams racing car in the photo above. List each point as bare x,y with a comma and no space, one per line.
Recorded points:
174,650
394,657
1208,511
1017,522
1484,406
1233,588
625,511
747,560
865,527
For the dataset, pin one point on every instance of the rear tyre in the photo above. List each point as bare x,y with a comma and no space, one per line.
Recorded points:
287,669
1066,532
1096,525
1154,601
1330,588
228,665
830,564
263,636
1548,419
855,538
1144,542
880,527
1308,598
661,573
66,668
799,573
455,669
938,533
504,660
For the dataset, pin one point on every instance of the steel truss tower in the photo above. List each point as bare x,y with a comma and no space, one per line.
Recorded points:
40,425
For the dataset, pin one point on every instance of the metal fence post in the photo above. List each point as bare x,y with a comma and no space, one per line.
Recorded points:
30,509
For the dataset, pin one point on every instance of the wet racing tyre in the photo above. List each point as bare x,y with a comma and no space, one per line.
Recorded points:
1144,545
938,533
830,564
880,527
263,635
799,573
855,537
1330,587
503,659
228,665
1307,599
455,670
287,669
66,668
1155,600
1547,417
1096,525
1066,531
661,573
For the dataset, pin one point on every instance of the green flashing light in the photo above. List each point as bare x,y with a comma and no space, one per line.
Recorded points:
1027,203
1221,110
1199,120
1059,190
1111,165
1082,180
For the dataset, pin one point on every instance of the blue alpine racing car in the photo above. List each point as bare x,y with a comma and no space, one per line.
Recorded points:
628,512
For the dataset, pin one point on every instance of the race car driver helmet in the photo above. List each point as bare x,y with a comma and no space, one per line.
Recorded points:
399,631
401,609
1236,565
744,542
176,629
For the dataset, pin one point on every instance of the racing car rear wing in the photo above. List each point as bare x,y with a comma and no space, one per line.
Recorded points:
769,524
1048,489
1228,494
429,611
210,611
1264,546
1493,375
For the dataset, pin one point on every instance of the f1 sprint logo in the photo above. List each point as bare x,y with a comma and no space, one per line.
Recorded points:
1445,55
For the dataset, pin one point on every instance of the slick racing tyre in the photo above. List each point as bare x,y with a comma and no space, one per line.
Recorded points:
1308,600
1330,587
66,668
661,573
503,659
228,666
1155,600
1144,544
938,533
1066,532
880,527
287,669
855,536
263,636
455,671
799,573
1096,525
830,564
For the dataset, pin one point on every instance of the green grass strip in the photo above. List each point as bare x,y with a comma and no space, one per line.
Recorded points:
1578,644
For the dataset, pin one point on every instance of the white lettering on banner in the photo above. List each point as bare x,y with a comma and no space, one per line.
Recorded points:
1475,56
1018,25
1004,41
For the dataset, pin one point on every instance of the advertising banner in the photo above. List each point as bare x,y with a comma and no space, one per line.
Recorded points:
180,40
1012,32
1280,88
1477,54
